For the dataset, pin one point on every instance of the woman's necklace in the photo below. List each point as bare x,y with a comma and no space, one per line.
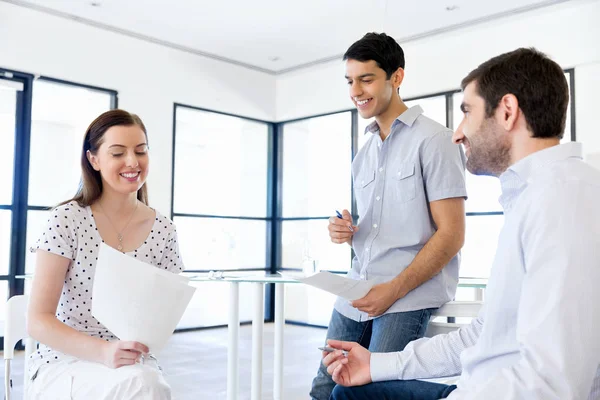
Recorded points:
120,234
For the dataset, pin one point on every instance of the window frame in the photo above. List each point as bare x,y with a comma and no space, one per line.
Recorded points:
20,206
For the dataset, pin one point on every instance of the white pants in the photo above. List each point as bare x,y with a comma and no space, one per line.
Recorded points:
83,380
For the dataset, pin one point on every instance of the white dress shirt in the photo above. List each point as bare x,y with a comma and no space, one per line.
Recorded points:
538,334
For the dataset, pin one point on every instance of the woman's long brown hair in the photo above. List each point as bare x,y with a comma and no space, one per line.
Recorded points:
90,186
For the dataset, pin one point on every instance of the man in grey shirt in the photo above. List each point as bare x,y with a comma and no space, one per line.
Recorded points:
409,184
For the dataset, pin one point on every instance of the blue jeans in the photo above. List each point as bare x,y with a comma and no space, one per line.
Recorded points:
390,332
396,390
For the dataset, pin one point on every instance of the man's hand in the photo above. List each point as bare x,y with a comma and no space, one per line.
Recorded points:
378,300
351,370
341,230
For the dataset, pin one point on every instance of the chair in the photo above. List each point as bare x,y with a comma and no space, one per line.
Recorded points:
452,309
15,329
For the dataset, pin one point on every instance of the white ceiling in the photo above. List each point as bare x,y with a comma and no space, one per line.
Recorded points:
277,35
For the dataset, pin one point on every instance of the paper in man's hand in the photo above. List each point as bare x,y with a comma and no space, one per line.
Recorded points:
339,285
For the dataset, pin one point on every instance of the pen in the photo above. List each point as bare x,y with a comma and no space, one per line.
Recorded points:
330,349
340,217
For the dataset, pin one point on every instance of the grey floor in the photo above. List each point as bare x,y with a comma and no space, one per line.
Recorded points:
195,363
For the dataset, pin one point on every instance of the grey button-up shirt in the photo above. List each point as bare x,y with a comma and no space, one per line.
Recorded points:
394,182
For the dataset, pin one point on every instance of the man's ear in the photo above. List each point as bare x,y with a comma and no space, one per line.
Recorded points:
397,78
508,111
93,160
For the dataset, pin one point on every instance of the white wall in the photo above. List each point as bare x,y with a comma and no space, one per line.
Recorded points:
148,77
567,32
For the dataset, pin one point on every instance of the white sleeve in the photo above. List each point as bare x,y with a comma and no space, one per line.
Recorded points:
434,357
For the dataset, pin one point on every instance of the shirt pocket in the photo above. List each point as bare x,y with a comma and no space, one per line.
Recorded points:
364,185
404,182
364,180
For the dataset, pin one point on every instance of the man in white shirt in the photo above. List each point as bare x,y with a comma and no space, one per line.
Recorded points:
536,336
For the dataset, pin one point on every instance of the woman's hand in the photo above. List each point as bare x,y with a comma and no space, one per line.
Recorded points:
119,353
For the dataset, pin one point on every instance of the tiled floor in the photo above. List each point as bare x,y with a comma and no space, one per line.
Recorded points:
195,363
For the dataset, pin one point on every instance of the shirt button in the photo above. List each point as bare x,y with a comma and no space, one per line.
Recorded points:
380,169
377,198
374,225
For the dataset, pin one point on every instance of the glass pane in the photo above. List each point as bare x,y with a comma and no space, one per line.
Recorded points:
5,231
433,107
60,116
8,104
567,136
362,125
307,304
317,155
36,222
210,305
222,244
221,164
3,298
309,240
481,241
483,191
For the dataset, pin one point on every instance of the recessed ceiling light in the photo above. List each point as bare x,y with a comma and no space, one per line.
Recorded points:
451,8
95,4
274,58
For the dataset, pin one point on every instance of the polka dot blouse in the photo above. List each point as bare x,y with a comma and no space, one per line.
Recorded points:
71,233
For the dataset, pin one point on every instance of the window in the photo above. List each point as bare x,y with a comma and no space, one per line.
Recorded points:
220,189
316,181
220,203
9,91
38,119
61,113
60,116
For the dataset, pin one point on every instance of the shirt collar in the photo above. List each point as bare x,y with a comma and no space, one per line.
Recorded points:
408,118
514,180
528,166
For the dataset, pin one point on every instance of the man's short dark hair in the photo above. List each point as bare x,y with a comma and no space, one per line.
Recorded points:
538,83
379,47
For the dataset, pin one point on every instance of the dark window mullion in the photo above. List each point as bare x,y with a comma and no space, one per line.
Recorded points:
483,213
20,185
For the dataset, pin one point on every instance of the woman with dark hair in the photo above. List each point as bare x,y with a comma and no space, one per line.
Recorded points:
79,358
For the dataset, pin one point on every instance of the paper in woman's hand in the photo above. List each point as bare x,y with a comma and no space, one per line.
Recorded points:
138,301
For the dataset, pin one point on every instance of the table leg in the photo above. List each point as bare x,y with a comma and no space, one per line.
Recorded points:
278,350
234,341
257,341
478,294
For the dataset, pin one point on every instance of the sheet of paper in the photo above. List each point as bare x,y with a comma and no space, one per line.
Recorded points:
339,285
138,301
